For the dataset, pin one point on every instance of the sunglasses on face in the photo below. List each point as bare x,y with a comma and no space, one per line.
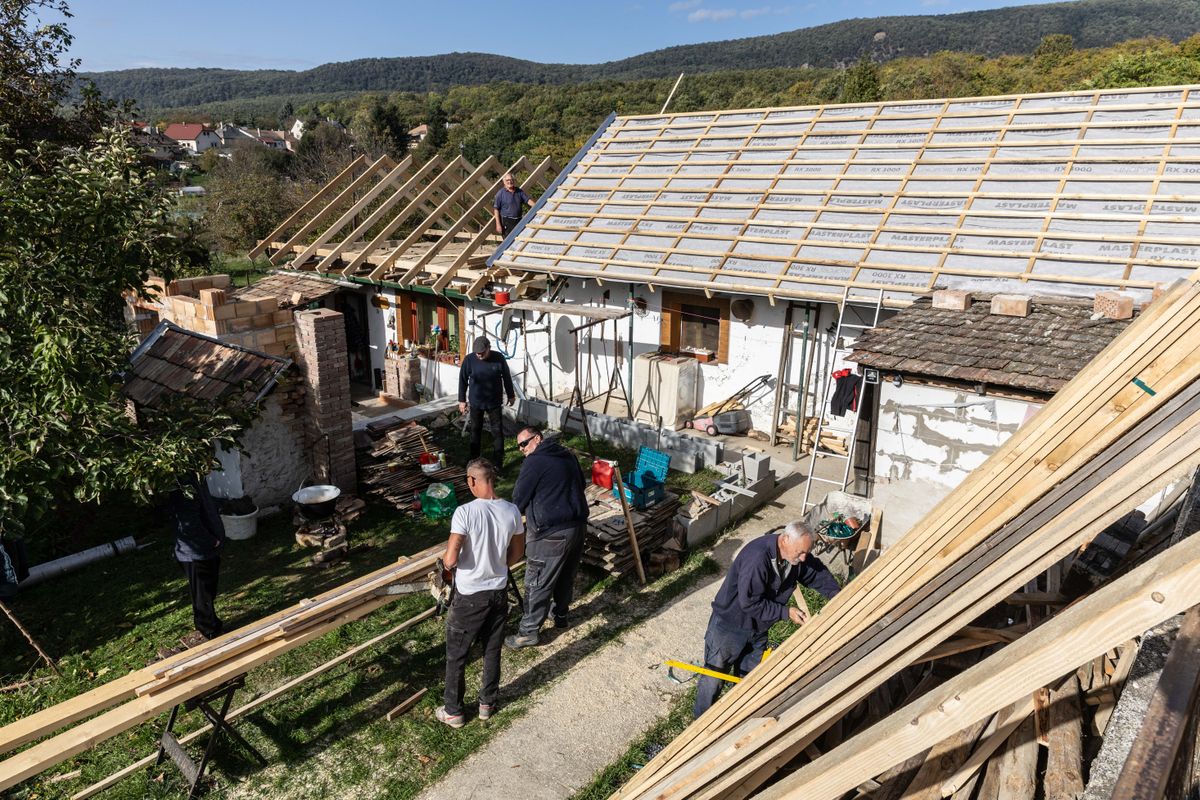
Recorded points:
524,444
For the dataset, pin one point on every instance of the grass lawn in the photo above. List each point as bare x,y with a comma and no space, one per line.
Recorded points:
325,738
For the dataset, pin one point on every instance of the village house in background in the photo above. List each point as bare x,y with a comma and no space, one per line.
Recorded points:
194,137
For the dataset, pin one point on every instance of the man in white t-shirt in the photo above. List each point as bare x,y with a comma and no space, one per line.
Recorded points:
486,538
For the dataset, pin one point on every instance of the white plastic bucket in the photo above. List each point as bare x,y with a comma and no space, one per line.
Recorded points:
241,526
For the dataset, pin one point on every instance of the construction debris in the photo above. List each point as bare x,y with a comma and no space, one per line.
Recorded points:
607,544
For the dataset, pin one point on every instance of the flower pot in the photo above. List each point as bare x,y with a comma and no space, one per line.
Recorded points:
240,526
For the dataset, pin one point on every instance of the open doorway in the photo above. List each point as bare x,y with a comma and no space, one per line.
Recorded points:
353,307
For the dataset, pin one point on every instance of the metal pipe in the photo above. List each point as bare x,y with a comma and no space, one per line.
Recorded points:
629,359
802,382
61,566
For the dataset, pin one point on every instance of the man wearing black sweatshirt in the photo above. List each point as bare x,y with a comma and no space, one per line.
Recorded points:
753,597
483,383
549,492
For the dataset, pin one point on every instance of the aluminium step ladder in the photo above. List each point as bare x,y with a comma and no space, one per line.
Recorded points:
872,306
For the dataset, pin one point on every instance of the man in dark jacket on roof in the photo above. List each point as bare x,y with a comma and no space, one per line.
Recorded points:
549,492
483,383
753,597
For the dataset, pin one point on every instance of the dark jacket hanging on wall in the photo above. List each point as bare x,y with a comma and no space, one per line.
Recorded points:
845,393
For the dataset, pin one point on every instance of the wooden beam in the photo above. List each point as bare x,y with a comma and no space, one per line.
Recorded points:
1064,765
57,749
457,163
1013,774
308,207
384,162
401,193
1007,721
1159,589
932,582
346,218
490,163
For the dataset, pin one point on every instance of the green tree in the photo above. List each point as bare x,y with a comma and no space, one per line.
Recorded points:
79,226
862,83
247,196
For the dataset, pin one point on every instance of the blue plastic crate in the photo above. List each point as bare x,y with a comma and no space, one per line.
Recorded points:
646,485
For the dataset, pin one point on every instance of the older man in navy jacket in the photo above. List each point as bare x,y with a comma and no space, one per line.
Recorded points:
754,597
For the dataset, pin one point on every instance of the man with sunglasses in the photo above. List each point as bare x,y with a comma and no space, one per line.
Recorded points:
485,540
549,492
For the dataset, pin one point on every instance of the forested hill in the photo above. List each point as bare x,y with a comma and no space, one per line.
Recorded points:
1015,30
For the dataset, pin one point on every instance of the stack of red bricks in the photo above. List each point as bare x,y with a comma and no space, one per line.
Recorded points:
321,352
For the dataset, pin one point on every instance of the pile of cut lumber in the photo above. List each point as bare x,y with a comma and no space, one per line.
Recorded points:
1124,429
607,545
829,441
388,467
143,694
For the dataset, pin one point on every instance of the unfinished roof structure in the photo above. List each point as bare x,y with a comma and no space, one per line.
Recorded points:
1043,194
425,225
1038,353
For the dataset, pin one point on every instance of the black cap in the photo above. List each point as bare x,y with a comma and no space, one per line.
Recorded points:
482,345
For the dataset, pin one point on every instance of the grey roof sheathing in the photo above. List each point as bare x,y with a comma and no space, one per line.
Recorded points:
1062,193
1038,353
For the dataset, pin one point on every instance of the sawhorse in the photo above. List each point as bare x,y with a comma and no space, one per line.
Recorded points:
169,745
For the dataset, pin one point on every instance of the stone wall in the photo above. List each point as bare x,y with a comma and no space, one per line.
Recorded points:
271,461
321,353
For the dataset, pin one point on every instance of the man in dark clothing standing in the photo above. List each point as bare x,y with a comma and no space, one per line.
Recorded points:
506,208
199,538
753,597
483,383
549,492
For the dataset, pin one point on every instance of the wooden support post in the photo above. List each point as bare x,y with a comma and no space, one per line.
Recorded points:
633,543
1013,774
1064,765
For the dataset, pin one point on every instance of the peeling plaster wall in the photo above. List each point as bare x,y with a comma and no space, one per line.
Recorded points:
270,464
934,435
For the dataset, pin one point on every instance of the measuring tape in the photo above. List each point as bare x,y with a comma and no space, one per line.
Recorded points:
671,665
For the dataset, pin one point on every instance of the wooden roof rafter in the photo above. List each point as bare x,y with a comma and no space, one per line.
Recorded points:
475,179
383,163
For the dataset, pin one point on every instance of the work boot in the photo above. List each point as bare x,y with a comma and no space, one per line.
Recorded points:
562,623
519,640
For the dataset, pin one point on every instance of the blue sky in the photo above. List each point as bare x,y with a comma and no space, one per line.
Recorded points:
298,34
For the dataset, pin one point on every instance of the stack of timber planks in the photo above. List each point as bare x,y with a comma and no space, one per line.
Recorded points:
1125,428
143,694
607,544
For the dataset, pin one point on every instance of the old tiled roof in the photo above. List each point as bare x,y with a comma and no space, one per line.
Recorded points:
283,285
174,361
1037,353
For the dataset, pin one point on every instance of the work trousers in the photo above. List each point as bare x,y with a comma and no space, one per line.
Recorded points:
202,586
496,422
733,651
507,224
550,566
474,616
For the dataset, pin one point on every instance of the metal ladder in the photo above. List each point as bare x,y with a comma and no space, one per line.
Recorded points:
874,305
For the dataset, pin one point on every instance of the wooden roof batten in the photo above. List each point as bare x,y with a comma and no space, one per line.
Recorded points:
1061,193
443,208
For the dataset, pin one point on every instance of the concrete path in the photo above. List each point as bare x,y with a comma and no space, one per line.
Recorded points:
588,718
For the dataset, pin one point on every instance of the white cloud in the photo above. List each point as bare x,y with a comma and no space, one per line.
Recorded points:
684,5
751,13
711,14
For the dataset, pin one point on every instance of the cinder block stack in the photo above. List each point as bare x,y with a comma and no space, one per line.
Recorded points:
321,352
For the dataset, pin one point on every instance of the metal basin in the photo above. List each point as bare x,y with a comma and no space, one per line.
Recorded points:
316,502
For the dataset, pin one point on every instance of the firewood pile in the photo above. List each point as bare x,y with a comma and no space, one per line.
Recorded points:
829,441
607,545
388,466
